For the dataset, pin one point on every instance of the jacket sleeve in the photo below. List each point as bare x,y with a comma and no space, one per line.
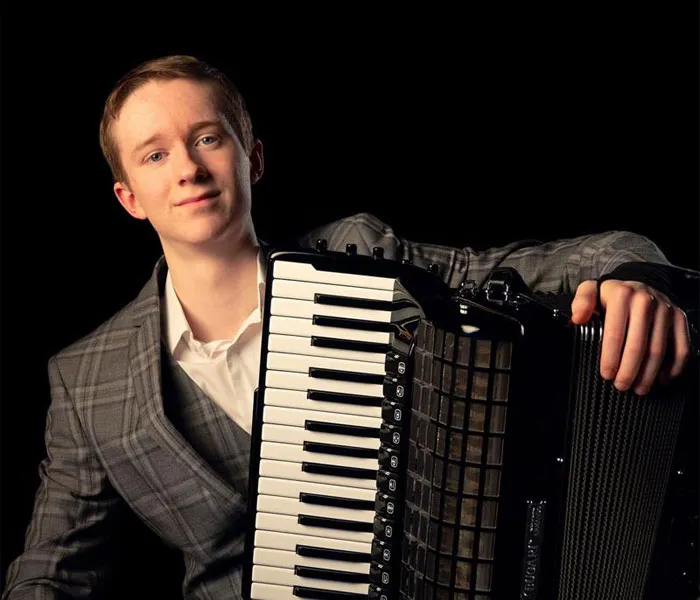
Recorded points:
71,540
554,266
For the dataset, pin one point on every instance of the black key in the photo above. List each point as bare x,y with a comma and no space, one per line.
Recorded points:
331,575
338,375
380,574
367,303
345,398
359,346
319,594
388,459
327,553
344,323
328,523
390,435
353,503
392,412
339,450
387,483
382,551
385,505
396,364
383,528
394,389
379,593
338,470
339,429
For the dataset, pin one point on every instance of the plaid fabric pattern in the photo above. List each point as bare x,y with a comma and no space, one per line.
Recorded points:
554,266
112,450
217,438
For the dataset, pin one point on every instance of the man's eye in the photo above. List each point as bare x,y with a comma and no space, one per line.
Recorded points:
208,140
155,157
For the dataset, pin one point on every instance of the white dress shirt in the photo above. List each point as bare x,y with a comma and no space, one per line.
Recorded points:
226,370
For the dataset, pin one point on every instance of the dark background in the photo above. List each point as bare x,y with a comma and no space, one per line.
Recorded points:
514,124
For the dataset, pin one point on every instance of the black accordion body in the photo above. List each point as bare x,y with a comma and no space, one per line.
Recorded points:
412,441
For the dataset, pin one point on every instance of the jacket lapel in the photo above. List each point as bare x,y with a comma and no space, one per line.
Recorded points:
146,363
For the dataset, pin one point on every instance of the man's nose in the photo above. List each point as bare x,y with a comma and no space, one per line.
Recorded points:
190,167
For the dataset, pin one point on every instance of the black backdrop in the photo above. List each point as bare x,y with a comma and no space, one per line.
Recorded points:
460,129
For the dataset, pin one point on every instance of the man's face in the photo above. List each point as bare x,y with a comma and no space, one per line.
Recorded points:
187,171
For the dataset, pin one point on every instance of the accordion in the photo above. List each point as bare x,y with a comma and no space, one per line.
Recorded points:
413,441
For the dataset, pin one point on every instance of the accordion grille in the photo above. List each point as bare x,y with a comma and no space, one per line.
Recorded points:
622,451
458,418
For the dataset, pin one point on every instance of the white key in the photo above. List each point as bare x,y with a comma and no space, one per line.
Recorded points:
299,271
300,381
296,453
298,399
289,541
289,524
306,290
296,344
301,363
298,435
291,489
306,310
289,560
265,591
305,327
277,576
291,470
297,417
292,506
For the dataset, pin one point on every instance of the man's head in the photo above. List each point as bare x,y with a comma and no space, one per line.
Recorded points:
228,98
179,140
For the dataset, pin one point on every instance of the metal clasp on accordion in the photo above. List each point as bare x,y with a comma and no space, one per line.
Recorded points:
498,291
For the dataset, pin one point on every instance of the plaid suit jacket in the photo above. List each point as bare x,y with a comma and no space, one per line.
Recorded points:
112,453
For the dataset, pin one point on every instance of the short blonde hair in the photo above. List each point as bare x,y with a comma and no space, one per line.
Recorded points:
229,100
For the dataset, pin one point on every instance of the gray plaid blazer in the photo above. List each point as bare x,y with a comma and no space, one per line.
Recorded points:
112,452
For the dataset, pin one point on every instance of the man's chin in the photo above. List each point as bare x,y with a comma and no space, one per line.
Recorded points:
233,234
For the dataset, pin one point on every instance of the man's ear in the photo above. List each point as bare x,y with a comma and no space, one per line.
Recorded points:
128,200
257,162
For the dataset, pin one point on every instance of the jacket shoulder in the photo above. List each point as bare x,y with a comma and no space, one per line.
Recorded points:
364,229
106,347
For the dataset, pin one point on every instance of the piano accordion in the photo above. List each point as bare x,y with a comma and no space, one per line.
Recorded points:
412,441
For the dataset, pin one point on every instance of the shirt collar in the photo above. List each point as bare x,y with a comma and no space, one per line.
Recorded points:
177,327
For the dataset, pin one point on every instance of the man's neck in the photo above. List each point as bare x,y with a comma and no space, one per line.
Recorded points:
217,292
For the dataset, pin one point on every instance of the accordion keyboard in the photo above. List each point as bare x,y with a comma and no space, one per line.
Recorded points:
330,435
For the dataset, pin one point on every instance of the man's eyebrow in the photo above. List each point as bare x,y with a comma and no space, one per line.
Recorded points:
145,143
195,127
203,124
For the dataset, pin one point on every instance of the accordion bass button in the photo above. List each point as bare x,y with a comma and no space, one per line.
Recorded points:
321,244
351,249
378,252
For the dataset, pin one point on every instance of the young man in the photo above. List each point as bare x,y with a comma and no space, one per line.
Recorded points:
151,412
